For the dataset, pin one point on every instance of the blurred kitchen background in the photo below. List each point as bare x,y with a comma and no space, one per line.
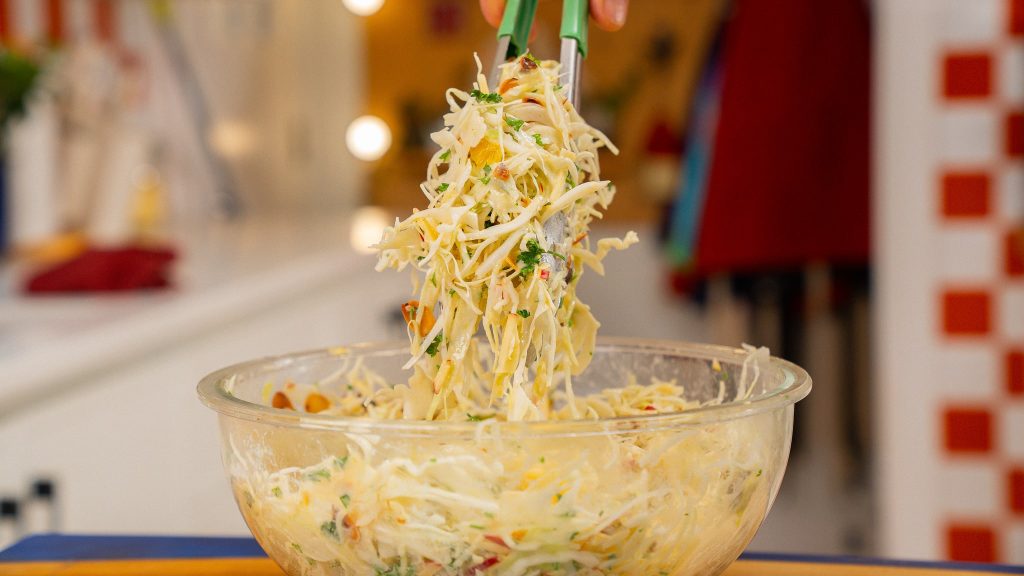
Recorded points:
187,184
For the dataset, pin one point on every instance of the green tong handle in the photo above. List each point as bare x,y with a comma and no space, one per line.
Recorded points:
574,22
516,24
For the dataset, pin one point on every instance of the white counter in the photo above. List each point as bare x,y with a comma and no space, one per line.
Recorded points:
225,272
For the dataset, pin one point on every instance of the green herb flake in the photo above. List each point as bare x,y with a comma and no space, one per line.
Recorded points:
277,492
541,459
573,535
530,257
433,278
432,349
442,187
758,475
538,140
330,529
515,123
341,461
486,97
446,155
451,291
524,313
345,500
531,58
479,417
476,526
319,475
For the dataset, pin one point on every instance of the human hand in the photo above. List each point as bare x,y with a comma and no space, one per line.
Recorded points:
609,15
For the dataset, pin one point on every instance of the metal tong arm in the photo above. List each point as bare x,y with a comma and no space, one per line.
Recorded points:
514,34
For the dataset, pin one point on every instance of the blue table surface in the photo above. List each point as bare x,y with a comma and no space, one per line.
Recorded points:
65,547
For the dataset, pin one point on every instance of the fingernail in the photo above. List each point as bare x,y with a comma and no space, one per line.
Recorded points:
617,11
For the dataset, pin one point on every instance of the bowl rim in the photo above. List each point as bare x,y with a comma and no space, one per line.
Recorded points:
796,386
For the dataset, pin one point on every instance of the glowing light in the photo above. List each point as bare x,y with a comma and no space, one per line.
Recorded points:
232,139
368,224
368,138
363,7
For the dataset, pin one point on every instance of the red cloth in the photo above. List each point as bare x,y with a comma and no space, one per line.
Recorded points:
107,270
790,173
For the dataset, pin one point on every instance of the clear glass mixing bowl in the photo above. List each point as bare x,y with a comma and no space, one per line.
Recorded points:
675,494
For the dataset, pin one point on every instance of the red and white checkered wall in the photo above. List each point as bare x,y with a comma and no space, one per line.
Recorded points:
950,246
26,22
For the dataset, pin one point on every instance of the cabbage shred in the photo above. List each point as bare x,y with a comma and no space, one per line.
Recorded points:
513,159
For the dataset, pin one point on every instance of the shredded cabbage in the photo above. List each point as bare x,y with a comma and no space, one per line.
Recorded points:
501,247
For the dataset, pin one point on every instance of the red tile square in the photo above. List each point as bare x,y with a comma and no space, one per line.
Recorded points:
967,75
1015,372
966,312
971,543
1016,17
965,194
1014,252
1014,132
967,430
1015,484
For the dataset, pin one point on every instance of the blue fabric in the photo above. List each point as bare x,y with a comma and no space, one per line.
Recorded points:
862,561
57,547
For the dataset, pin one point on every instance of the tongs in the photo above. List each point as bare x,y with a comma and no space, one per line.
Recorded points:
514,34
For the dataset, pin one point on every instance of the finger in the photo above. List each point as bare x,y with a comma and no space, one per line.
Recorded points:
493,10
609,15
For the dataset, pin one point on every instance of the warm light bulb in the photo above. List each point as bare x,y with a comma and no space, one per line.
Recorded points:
368,138
232,139
368,225
363,7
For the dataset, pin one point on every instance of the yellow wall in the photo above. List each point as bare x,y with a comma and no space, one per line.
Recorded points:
408,62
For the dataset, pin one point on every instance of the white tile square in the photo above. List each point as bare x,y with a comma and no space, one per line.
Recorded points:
1010,312
1011,430
969,134
971,21
969,253
1009,194
1015,543
1010,81
968,371
970,489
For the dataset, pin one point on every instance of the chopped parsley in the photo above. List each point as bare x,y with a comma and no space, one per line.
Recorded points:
524,313
277,492
478,418
486,97
432,349
515,123
487,174
451,291
345,500
442,187
531,58
446,155
530,257
340,462
538,139
330,529
476,526
319,475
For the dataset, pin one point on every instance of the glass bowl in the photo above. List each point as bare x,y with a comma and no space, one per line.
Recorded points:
677,493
